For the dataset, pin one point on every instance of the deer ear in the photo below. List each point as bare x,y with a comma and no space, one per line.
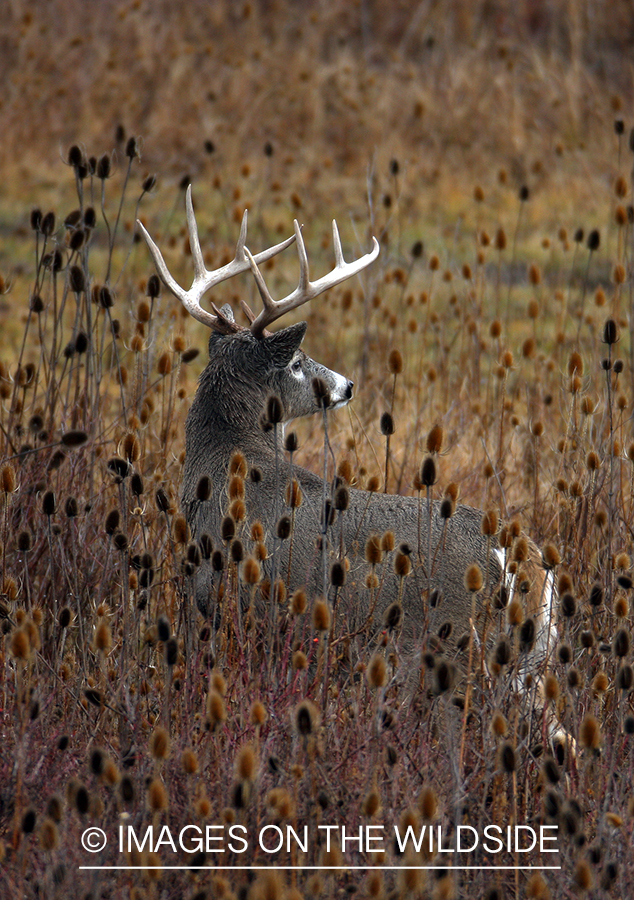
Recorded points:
282,345
227,312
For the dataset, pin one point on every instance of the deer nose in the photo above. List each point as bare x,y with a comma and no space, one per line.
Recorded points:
349,387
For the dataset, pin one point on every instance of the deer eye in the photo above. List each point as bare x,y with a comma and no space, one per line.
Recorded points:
296,366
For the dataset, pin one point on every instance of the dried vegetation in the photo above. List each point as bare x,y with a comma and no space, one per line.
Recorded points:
490,151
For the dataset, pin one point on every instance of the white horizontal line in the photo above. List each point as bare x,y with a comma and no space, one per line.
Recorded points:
319,868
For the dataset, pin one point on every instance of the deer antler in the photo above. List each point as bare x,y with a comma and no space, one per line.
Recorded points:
204,279
306,289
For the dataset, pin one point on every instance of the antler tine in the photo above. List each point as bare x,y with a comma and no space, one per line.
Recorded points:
336,242
306,289
204,280
194,240
304,280
242,239
267,301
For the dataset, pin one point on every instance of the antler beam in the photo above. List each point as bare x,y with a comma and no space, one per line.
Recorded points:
306,289
204,280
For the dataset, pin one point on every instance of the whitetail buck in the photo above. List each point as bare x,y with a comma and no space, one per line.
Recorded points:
248,366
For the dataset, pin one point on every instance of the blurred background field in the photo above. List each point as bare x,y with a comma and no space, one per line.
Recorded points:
489,147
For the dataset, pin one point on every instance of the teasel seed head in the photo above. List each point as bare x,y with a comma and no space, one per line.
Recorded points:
119,467
376,672
321,392
374,483
594,240
621,643
47,224
443,676
164,630
590,733
20,644
527,628
502,652
508,760
238,510
283,528
428,803
568,605
294,497
49,504
500,239
236,550
203,488
622,560
342,498
274,410
550,770
181,530
624,677
171,652
387,424
387,541
8,480
344,472
299,661
28,821
189,761
473,579
290,442
299,603
371,805
258,714
162,501
160,743
447,508
103,637
228,529
499,725
428,475
321,615
595,598
393,616
251,572
24,541
246,763
306,718
600,684
621,606
219,682
490,523
395,362
238,464
610,332
373,550
156,795
216,710
338,574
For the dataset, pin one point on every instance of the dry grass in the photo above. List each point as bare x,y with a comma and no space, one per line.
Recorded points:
113,707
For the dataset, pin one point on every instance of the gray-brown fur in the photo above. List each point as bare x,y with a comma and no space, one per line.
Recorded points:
242,373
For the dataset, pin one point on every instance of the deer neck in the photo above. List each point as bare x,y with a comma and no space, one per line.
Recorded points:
224,417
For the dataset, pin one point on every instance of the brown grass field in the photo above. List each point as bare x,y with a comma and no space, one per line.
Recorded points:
489,146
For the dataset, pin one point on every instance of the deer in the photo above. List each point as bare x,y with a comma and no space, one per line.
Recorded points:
257,381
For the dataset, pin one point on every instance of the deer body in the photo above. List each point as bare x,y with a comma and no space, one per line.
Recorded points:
225,417
246,367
